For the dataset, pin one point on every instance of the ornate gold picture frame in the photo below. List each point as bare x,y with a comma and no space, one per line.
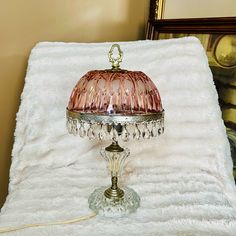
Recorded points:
157,8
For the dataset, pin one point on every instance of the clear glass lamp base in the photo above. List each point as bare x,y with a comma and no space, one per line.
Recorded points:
109,207
113,201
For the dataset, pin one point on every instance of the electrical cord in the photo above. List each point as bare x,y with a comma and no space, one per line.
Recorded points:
16,228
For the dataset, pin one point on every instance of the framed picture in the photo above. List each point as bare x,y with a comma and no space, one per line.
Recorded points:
157,8
218,37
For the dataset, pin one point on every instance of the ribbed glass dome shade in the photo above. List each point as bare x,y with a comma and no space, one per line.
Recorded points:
115,103
115,92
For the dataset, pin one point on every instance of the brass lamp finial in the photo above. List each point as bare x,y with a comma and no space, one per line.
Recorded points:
115,60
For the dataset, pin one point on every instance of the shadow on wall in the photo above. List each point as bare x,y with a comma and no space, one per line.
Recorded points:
23,25
121,21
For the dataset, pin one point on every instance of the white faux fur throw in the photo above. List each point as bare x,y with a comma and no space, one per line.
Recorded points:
184,178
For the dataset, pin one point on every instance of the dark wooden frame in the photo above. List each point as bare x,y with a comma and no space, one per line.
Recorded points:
214,25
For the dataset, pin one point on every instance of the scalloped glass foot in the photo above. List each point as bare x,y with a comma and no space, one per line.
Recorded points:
110,208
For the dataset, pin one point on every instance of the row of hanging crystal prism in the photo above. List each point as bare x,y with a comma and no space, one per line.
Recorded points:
129,131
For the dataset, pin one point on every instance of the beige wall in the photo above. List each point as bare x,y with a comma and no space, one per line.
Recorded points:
23,23
199,8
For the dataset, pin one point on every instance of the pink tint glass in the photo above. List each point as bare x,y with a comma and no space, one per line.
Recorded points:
115,92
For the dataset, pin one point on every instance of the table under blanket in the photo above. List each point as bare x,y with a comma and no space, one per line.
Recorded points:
184,177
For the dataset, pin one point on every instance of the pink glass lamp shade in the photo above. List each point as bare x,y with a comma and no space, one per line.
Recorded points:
115,97
108,92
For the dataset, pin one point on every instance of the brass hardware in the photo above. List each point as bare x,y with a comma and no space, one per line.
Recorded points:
114,192
115,60
115,118
114,147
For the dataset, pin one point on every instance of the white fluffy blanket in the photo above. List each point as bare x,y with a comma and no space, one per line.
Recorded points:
184,178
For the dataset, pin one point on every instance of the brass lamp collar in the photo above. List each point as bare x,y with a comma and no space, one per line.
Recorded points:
114,147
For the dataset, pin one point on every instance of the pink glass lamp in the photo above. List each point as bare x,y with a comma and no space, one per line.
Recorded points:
115,104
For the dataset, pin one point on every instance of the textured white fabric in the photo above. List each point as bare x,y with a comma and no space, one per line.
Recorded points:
184,177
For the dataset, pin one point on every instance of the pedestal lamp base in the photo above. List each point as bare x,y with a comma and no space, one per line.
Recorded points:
111,207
